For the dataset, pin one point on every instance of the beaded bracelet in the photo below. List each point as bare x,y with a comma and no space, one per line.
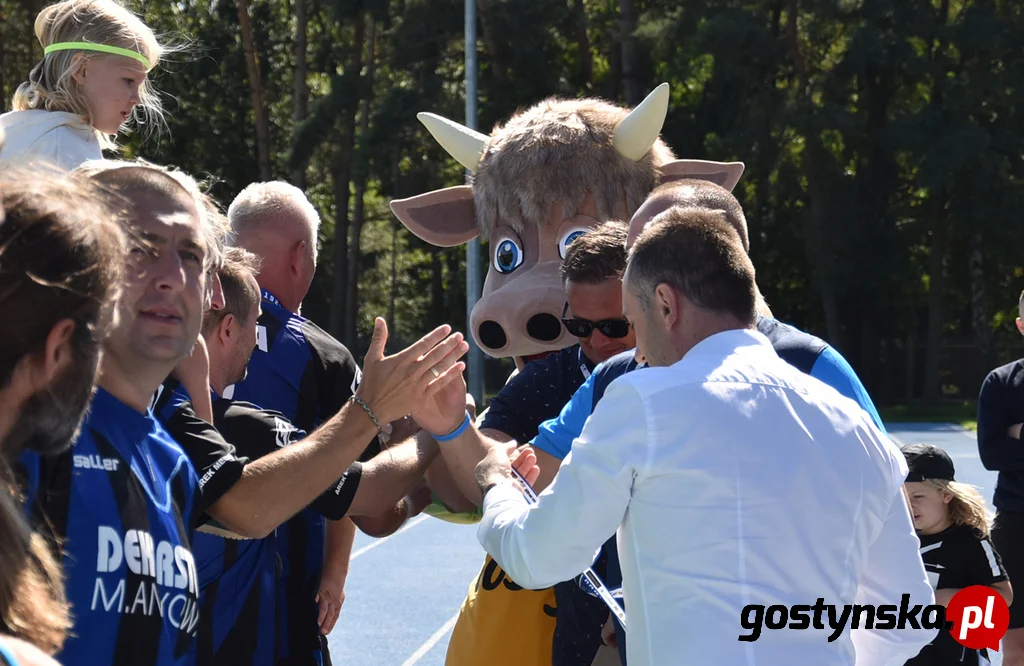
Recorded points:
369,412
455,433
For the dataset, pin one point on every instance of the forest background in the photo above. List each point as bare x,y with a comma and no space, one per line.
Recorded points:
883,142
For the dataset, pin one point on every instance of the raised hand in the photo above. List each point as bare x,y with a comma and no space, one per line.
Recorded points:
445,410
392,386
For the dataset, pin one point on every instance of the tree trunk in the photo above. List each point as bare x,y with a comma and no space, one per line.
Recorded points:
436,288
936,295
630,66
815,169
932,389
483,13
342,183
583,45
393,296
342,180
259,112
456,292
301,88
359,213
3,97
981,313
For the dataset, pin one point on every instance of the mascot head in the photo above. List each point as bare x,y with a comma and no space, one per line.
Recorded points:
545,176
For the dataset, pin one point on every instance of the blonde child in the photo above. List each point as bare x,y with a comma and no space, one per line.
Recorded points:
92,79
953,526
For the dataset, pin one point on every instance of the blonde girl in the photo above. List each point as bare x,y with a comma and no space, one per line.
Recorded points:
953,526
92,80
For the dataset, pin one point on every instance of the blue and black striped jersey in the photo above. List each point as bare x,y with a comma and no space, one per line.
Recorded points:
238,578
123,502
304,373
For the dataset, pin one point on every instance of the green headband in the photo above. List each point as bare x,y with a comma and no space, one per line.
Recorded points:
102,48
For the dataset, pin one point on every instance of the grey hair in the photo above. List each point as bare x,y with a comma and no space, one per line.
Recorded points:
260,203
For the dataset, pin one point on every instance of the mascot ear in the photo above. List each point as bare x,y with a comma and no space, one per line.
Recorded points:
726,174
443,218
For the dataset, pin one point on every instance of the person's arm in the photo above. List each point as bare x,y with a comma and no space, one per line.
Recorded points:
193,372
267,494
392,474
340,536
832,369
557,538
999,449
893,568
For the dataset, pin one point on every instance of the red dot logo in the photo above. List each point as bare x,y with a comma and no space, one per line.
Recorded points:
980,617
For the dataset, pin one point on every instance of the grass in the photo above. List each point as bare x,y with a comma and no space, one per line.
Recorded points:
962,412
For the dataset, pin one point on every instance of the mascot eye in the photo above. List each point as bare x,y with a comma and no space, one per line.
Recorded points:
567,239
508,256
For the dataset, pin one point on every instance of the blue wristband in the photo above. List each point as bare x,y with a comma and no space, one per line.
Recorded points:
455,433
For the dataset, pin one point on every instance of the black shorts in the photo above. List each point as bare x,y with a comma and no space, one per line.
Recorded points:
1008,538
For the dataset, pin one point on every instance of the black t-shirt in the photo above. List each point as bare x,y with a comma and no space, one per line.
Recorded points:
1001,405
218,464
258,432
955,558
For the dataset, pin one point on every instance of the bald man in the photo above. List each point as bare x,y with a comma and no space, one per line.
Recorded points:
301,371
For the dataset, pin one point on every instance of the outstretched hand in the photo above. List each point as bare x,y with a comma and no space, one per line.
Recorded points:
392,386
524,461
444,411
497,465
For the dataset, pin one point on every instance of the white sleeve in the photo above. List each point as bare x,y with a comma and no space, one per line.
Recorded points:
893,569
557,539
62,148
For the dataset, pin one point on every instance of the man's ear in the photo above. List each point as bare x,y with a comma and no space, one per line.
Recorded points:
1020,326
57,353
667,303
225,330
296,258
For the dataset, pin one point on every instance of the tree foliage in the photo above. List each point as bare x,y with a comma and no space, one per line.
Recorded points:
882,140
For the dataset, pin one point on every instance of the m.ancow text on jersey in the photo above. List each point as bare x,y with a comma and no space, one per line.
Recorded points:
164,583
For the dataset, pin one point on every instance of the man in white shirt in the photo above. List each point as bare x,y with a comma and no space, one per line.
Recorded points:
733,479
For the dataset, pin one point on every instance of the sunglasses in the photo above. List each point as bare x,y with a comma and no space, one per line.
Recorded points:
582,328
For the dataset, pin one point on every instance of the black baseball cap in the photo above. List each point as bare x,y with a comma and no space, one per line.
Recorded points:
927,462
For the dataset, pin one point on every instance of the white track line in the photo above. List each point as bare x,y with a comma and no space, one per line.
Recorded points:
431,642
412,523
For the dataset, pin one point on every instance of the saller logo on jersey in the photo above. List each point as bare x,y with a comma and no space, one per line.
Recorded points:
96,462
165,582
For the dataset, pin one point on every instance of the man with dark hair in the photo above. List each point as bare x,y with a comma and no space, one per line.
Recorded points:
555,436
732,478
1000,419
62,257
127,498
238,579
569,626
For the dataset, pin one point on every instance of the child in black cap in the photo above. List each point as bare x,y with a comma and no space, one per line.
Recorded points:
952,525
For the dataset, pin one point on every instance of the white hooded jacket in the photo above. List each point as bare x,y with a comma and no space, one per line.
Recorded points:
63,140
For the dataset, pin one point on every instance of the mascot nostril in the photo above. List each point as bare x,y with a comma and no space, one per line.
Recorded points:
492,335
544,327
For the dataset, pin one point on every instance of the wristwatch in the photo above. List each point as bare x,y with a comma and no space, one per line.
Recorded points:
504,481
